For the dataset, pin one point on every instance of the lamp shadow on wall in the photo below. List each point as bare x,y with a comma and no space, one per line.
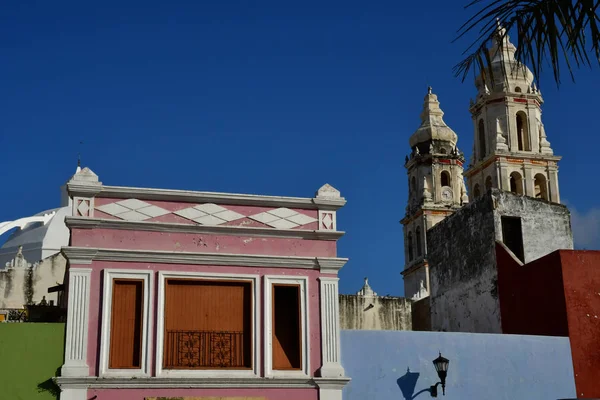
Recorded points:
407,384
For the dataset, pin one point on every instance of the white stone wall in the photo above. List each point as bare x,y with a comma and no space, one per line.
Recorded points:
462,257
545,227
17,283
375,313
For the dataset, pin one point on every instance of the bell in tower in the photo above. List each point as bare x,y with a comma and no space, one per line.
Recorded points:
436,189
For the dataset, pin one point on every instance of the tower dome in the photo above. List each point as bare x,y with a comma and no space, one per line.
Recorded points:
509,75
433,129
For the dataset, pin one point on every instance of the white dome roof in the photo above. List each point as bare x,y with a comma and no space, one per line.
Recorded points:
37,239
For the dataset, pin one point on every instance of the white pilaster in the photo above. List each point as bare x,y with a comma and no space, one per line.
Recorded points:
77,323
73,394
330,329
331,389
528,179
553,184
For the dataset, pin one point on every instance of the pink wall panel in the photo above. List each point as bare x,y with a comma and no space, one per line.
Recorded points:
141,394
201,243
96,289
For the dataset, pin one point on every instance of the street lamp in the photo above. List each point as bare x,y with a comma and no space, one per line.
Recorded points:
441,366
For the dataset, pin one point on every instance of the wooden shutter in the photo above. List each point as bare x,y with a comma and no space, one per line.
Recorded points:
208,324
126,324
287,328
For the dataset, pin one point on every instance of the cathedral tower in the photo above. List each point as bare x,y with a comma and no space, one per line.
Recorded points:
436,190
510,149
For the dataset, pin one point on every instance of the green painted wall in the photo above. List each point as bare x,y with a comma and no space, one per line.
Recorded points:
30,355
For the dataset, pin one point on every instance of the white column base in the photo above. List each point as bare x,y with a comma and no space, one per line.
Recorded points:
74,394
333,370
331,389
74,370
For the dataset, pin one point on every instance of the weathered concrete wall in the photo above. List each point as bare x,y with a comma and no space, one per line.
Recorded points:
462,265
463,260
375,313
21,285
545,226
421,314
388,365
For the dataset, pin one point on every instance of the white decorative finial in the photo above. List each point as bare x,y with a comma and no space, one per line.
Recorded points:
79,159
86,176
429,90
328,191
421,293
366,290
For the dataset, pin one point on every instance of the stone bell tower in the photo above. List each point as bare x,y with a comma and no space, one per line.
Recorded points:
436,190
510,151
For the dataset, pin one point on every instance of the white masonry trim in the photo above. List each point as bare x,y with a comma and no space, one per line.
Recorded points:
214,373
93,223
84,190
85,255
147,309
270,280
330,329
185,383
331,389
78,310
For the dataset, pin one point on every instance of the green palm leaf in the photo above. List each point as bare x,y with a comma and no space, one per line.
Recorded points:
549,32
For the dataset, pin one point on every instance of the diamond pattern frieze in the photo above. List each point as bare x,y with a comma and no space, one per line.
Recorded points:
83,207
209,214
283,218
133,210
327,220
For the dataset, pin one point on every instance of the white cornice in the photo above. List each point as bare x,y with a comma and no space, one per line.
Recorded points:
85,255
183,383
83,189
77,189
331,265
332,383
90,223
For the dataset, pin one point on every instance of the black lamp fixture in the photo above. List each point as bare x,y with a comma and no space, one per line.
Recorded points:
441,366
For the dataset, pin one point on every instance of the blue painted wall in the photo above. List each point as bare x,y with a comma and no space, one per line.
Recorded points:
482,366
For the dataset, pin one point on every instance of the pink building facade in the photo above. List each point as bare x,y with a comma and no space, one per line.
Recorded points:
177,294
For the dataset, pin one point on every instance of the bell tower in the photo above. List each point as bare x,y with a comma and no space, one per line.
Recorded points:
510,148
436,190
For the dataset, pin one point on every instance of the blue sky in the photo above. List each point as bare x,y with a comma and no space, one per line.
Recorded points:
262,97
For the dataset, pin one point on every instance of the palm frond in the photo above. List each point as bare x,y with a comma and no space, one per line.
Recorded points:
549,32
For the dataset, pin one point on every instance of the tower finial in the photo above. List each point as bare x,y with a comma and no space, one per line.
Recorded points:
429,90
79,158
